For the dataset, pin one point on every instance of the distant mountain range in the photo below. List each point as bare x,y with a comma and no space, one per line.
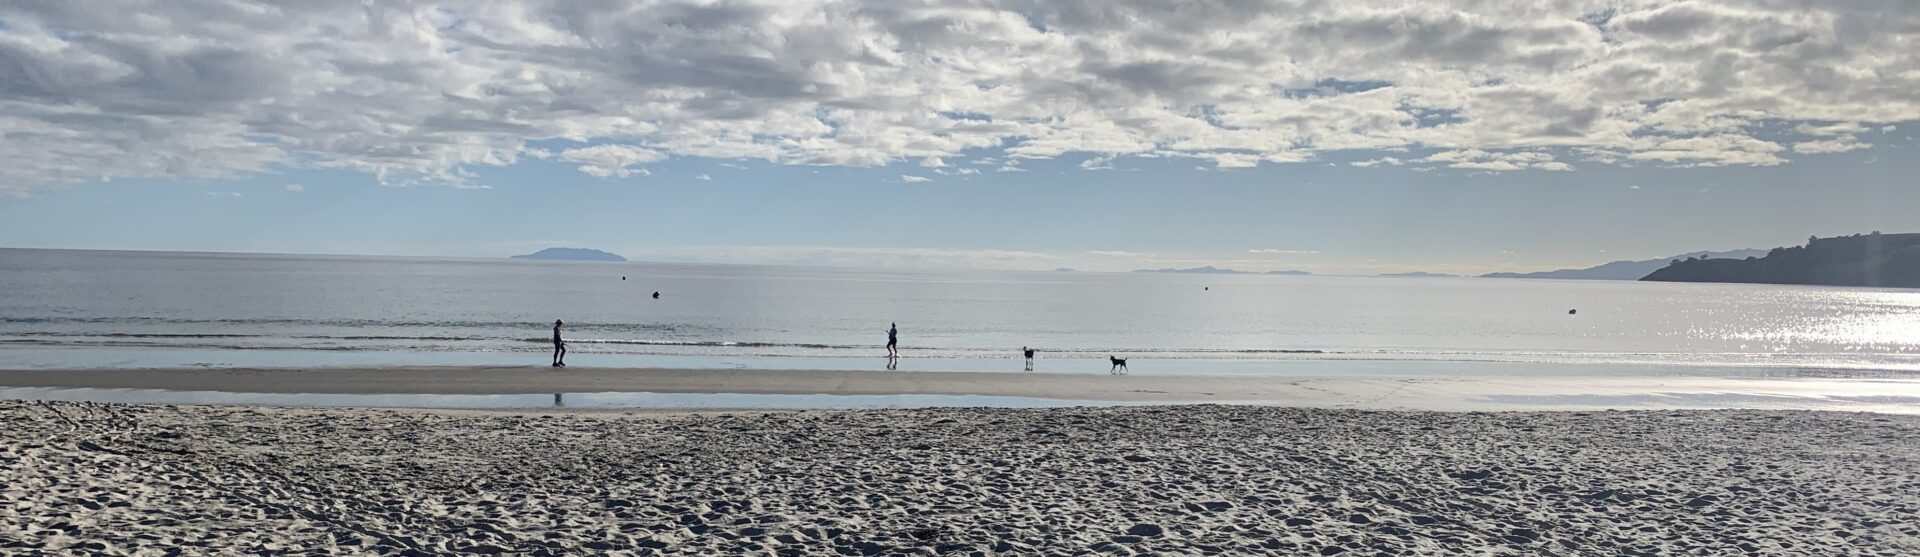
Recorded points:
571,254
1627,270
1211,270
1890,260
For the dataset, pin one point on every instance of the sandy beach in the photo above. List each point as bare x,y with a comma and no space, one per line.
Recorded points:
133,479
1887,392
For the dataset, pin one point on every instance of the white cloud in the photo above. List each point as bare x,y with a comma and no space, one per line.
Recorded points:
1284,251
1389,161
1835,145
612,160
1843,128
1231,160
933,162
296,188
911,179
1477,159
703,178
421,92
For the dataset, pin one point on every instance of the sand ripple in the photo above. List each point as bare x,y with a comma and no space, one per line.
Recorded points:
155,480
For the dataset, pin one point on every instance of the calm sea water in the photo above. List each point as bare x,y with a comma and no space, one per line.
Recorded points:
422,306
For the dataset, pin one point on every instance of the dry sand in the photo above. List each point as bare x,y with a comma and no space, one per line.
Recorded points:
119,479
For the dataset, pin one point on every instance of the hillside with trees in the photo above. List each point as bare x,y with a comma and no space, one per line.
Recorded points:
1888,260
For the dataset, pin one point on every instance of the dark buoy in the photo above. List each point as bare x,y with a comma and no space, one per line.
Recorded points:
1572,311
1206,288
623,278
656,295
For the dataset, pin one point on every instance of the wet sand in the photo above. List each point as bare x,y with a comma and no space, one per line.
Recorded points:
1895,394
145,479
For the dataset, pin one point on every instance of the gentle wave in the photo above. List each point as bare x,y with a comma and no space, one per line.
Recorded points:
717,343
1891,363
236,335
343,323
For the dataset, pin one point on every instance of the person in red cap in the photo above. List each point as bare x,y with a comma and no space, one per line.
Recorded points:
559,348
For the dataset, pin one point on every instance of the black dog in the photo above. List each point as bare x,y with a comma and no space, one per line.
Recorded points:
1119,365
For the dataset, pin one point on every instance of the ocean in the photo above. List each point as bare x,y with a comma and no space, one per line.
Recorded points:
79,308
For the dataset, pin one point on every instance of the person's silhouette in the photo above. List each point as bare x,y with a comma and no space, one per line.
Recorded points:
893,339
559,347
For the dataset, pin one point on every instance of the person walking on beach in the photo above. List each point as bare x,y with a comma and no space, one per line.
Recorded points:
559,347
893,340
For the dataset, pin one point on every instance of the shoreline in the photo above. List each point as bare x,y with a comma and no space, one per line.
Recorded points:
1448,393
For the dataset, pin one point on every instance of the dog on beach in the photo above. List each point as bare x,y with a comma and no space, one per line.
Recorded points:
1119,365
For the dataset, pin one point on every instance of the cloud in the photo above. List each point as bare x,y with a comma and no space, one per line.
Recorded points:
1231,160
1476,159
1843,128
1389,161
1835,145
296,188
1118,253
612,160
1284,251
911,179
423,92
703,178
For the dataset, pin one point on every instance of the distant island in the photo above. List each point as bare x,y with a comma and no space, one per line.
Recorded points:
1063,269
1211,270
1627,270
1416,274
571,254
1887,260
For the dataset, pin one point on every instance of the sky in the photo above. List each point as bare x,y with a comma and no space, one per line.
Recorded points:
1459,136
